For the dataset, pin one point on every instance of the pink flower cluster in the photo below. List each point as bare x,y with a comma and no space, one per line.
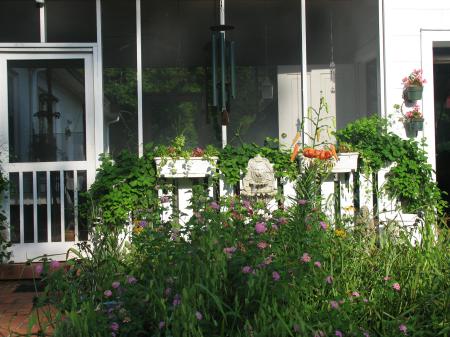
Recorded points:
415,78
414,113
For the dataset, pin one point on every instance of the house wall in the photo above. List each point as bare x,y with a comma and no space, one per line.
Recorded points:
405,22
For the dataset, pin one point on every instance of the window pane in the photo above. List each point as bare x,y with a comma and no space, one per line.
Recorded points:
267,36
343,33
14,207
71,21
46,109
42,206
176,42
55,200
28,215
19,21
119,74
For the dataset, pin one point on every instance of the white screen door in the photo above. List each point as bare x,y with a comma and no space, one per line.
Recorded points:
47,148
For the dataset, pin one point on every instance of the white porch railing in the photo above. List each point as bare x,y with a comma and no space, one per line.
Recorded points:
344,192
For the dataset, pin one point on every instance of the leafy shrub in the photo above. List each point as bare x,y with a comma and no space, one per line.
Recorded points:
411,179
4,244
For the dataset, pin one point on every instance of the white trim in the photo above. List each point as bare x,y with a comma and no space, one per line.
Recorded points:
49,208
304,93
139,77
75,203
428,39
43,23
22,225
35,222
62,212
382,58
98,87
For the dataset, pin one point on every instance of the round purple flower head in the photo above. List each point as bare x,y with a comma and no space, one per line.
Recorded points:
260,227
131,279
114,326
276,276
116,284
198,315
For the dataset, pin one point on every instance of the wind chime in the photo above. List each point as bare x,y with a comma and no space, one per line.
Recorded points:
223,70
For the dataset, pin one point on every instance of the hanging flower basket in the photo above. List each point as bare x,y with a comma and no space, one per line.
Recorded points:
413,93
413,126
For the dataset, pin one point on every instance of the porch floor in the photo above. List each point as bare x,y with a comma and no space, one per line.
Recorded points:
16,309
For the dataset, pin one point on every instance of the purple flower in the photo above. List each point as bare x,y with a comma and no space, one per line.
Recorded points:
107,293
167,291
366,334
396,286
116,284
260,227
355,294
302,202
114,326
198,315
214,205
296,328
247,269
282,221
176,300
365,300
229,250
246,204
54,264
143,223
275,227
131,279
338,333
318,264
276,276
262,245
164,199
319,333
386,278
403,329
323,225
38,269
161,325
305,258
329,279
334,305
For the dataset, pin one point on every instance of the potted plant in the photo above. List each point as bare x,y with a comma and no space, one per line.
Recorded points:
347,159
413,86
413,121
175,161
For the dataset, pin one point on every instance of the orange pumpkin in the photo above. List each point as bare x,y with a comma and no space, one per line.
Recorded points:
317,153
322,155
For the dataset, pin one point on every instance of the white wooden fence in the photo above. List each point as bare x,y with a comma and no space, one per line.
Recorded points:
344,192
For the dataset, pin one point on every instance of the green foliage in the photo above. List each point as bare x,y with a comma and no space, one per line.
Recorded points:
4,244
124,187
411,179
227,279
234,160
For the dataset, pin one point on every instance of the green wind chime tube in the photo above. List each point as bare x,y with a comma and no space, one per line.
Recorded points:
233,70
214,68
223,71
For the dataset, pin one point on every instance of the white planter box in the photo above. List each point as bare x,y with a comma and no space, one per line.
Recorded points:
347,162
194,167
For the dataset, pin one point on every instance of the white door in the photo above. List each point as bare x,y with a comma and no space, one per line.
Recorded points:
47,147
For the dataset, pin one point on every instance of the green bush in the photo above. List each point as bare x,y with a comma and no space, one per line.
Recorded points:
411,179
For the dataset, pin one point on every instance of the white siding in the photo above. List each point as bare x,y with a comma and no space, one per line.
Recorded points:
404,21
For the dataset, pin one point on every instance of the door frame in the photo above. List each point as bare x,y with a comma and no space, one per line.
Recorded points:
93,132
429,39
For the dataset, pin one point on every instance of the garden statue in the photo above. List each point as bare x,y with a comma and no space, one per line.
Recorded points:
260,178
